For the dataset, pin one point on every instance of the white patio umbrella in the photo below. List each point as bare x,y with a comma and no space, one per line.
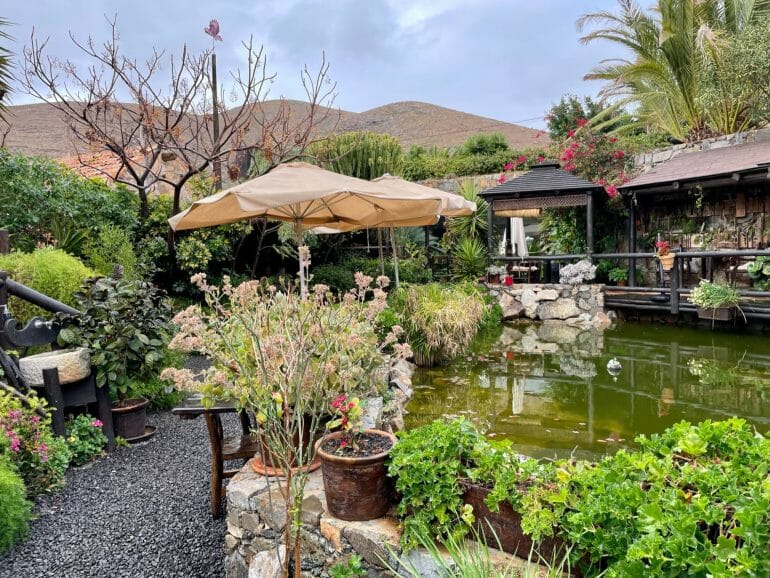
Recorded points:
308,196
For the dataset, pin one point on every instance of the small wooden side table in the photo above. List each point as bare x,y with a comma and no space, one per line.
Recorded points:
242,447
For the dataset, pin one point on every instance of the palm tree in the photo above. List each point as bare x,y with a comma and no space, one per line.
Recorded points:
5,67
670,48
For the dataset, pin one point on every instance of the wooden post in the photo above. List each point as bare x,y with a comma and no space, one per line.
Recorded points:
490,220
5,242
631,241
674,287
589,223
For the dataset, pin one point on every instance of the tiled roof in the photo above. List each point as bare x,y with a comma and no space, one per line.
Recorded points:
543,178
709,163
104,165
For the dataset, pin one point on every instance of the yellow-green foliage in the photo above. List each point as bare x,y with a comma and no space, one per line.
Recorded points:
49,271
15,509
440,320
112,247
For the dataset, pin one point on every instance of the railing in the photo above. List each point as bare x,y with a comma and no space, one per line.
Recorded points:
671,296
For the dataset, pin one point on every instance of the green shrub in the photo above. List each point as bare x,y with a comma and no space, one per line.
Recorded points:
759,273
113,246
161,395
49,271
366,155
27,441
85,438
440,321
126,325
15,510
338,278
39,195
410,270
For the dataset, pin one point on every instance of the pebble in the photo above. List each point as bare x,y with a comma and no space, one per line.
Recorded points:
140,512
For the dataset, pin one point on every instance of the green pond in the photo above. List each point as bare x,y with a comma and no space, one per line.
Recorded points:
548,389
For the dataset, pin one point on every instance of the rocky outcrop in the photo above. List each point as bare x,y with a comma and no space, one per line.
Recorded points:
577,305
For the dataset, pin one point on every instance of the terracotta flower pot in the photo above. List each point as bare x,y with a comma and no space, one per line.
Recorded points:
667,261
357,488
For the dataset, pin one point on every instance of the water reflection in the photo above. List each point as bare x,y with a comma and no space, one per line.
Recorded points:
547,387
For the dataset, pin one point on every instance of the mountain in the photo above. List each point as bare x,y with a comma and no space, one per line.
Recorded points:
38,129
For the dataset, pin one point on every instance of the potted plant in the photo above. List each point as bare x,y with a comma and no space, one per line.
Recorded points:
618,275
664,255
353,464
282,358
125,325
495,273
715,301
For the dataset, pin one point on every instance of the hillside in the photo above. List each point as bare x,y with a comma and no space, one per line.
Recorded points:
37,129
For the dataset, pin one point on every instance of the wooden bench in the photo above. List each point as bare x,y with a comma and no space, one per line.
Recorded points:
223,449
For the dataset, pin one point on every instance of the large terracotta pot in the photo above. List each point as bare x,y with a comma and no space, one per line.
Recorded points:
357,488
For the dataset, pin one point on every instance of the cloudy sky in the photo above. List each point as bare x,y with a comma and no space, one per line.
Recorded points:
505,59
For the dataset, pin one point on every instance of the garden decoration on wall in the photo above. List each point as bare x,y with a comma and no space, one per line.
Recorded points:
664,255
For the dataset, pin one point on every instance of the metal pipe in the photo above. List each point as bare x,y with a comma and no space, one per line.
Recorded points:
36,298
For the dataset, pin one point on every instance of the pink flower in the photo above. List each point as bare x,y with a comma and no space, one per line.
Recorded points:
508,166
521,160
570,134
97,423
613,139
582,122
540,158
612,191
337,403
501,179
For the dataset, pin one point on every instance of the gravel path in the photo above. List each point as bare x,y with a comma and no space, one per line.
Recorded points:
143,511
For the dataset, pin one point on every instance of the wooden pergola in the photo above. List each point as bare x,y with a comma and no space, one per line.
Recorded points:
546,186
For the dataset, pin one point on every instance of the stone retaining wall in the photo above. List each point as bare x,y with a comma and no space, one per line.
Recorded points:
576,305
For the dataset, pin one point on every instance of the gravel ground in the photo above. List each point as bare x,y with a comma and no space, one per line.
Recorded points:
143,511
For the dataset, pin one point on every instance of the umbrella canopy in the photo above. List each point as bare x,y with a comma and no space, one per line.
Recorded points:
308,195
451,205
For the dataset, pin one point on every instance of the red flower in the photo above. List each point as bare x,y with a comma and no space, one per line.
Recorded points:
508,166
337,403
521,160
619,154
540,158
508,281
501,179
582,122
612,191
613,139
570,134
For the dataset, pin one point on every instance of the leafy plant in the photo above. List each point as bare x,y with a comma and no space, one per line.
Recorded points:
15,510
759,272
427,463
468,259
474,225
27,441
126,326
708,295
337,277
85,438
353,566
366,155
49,271
618,274
113,246
440,321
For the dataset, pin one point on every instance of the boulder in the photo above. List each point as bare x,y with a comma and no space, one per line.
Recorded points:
512,309
559,309
268,564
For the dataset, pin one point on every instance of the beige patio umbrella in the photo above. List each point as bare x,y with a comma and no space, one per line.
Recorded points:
451,205
308,196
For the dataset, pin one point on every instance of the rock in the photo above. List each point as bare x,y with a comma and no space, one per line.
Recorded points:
548,295
529,302
271,508
244,487
512,309
559,309
557,332
602,320
231,543
331,529
403,383
73,365
235,566
374,540
268,564
420,563
372,418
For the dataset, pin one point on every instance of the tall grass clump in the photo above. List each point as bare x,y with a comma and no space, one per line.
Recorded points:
440,321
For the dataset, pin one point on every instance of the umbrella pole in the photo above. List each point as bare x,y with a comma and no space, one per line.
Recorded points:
379,250
303,254
395,254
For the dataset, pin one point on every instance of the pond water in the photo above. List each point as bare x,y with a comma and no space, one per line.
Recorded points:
547,388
